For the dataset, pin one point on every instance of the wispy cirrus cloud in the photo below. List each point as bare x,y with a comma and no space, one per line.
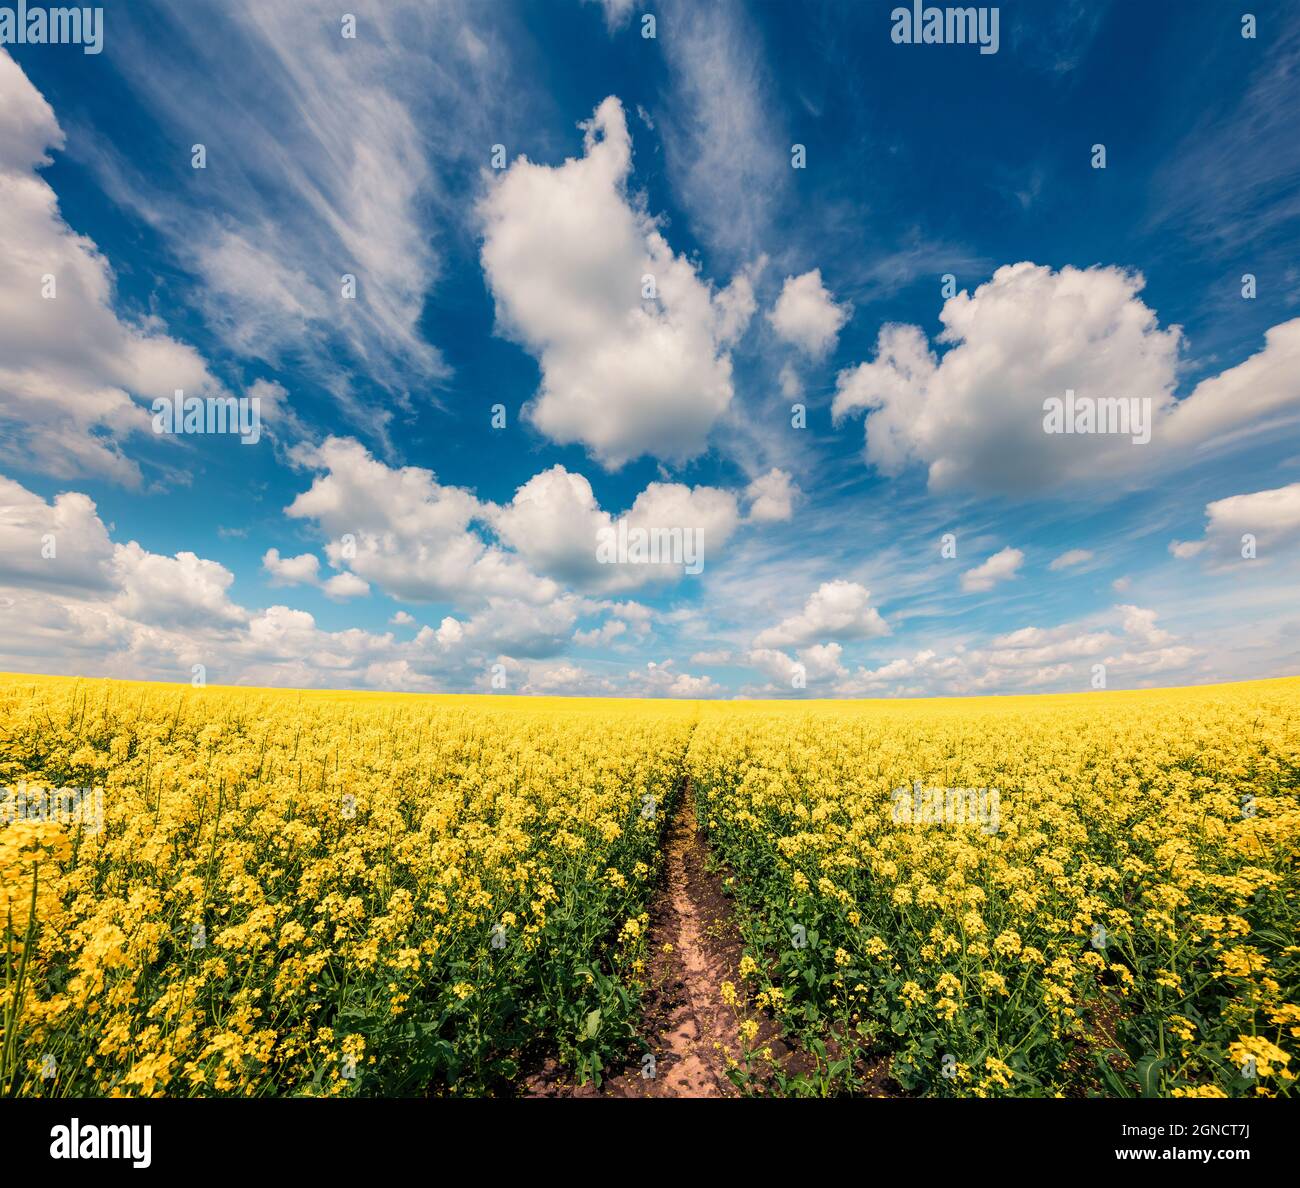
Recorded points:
727,153
1234,179
326,158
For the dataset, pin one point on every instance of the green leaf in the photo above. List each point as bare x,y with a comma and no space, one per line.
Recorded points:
593,1023
1148,1073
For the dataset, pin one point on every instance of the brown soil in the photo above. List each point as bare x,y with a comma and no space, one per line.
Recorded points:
692,1033
1104,1015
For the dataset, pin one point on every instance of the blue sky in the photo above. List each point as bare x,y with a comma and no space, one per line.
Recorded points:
472,551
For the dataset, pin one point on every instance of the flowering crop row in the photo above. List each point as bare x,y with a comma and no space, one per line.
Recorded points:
323,893
1125,924
251,892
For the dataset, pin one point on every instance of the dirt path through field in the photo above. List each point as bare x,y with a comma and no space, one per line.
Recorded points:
692,949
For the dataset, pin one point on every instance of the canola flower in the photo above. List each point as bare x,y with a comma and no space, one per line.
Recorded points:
324,894
1128,928
306,893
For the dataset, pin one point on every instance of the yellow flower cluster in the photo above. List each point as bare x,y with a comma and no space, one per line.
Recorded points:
324,893
344,893
1079,894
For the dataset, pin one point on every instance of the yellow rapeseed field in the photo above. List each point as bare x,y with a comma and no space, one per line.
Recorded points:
324,893
269,892
1123,923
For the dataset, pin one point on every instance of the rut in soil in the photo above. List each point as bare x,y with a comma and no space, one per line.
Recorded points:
692,949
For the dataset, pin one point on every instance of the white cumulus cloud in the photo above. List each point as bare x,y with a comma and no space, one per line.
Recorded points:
1272,518
772,497
837,610
567,253
975,417
554,523
71,369
998,568
807,315
403,531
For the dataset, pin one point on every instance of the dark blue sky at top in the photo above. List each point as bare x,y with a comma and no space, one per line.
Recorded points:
920,162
